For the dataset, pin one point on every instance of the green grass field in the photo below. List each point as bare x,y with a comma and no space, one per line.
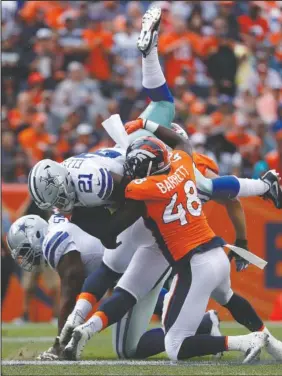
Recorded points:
22,344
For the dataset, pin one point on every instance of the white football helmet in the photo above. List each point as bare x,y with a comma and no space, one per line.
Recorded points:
50,185
25,238
178,129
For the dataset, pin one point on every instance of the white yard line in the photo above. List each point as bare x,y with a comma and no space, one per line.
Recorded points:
26,339
87,362
121,363
223,324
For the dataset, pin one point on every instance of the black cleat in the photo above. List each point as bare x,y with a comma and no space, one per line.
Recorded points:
274,193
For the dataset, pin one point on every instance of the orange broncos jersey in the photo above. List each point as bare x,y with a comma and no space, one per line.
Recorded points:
174,211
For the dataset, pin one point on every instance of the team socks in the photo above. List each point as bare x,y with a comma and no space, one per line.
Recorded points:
243,313
228,187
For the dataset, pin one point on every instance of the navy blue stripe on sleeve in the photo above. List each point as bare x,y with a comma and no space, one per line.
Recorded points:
51,257
51,242
103,183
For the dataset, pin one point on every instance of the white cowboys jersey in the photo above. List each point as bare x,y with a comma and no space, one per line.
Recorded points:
63,237
91,175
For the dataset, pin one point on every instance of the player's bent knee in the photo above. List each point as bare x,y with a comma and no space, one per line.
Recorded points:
223,298
172,346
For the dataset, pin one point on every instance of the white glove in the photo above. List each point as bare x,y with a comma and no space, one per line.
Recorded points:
53,353
46,355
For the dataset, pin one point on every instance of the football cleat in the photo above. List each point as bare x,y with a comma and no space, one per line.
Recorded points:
80,336
215,330
274,348
75,319
252,345
274,193
148,37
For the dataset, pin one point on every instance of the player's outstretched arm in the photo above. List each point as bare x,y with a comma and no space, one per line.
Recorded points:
236,214
71,272
169,137
72,275
121,220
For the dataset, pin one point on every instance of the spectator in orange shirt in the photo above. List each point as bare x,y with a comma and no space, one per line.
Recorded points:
99,42
247,143
178,48
52,9
35,82
253,20
23,113
35,140
209,44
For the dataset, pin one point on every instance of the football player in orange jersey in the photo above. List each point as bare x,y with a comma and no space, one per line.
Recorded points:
161,109
163,191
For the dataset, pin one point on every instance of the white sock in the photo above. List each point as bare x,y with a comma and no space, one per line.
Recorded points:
152,71
271,338
234,343
84,307
252,187
93,325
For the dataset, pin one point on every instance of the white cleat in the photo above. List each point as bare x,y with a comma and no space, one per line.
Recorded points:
149,33
252,345
274,348
75,319
215,330
80,336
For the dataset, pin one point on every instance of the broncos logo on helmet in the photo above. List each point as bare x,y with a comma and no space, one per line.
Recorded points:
146,156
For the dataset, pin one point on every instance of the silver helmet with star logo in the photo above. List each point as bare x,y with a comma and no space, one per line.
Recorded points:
50,185
25,238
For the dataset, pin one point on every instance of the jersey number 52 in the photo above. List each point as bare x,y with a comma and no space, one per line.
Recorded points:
179,213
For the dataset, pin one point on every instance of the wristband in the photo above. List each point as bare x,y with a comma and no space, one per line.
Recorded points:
242,243
150,126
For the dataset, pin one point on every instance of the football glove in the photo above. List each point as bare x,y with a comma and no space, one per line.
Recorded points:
133,126
241,264
53,353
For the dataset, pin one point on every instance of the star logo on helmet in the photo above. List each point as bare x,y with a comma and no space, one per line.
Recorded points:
22,227
50,180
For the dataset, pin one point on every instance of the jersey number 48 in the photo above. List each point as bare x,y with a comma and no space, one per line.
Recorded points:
179,213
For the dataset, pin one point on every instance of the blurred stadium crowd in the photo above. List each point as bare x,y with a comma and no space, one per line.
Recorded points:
67,65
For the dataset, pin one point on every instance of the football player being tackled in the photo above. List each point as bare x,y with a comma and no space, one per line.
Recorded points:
141,158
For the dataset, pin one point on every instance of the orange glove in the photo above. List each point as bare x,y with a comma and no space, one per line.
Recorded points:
134,125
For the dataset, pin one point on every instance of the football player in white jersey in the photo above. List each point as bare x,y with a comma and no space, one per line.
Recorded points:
88,183
134,266
75,254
